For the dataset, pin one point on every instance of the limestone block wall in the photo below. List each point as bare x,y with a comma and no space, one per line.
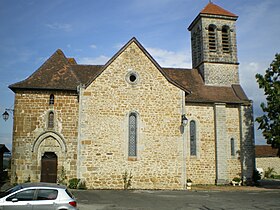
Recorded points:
216,66
265,162
201,169
105,107
31,136
233,132
219,55
219,74
247,146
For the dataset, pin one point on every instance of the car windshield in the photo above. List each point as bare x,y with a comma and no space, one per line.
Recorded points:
10,190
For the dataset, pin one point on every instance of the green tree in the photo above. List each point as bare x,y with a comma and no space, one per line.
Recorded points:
269,122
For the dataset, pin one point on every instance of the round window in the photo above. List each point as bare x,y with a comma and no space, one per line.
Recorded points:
132,77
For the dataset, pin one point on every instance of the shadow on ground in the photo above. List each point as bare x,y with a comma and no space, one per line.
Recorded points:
270,183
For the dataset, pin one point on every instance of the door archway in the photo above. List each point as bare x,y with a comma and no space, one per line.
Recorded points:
49,167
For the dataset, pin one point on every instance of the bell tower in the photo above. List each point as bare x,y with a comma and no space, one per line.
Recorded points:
214,50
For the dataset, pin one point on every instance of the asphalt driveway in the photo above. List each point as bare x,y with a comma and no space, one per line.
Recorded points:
198,198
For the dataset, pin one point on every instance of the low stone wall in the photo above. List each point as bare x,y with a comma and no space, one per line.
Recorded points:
265,162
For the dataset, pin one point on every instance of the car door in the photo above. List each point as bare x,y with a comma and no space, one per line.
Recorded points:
21,200
45,199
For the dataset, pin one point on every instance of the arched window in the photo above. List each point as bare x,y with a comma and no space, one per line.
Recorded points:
212,38
132,135
232,147
51,120
51,102
225,39
193,138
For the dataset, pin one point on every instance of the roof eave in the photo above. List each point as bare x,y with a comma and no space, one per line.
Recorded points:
15,89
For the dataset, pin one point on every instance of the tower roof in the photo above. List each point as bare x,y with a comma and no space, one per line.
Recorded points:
213,9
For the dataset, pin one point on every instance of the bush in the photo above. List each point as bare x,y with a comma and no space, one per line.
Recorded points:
82,185
62,179
269,172
236,179
274,176
127,180
73,183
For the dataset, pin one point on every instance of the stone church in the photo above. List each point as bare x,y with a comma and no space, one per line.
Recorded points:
132,116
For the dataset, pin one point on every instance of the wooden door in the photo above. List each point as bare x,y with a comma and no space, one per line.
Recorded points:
49,167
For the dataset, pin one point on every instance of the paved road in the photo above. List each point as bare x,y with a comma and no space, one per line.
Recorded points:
177,200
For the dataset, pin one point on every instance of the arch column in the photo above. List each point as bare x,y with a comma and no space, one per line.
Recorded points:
48,142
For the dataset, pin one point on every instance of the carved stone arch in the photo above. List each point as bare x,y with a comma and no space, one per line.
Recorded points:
45,135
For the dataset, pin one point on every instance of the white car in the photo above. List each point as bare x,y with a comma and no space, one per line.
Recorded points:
39,196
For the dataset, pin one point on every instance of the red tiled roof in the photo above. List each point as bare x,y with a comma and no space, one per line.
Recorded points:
192,80
61,73
56,73
213,9
265,151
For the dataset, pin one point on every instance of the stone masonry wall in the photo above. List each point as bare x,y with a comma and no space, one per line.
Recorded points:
219,55
247,146
31,137
271,162
220,74
106,105
233,131
201,169
217,67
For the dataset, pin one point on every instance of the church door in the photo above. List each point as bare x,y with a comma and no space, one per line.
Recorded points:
49,167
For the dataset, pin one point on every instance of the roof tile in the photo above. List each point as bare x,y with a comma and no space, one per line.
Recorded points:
60,73
265,151
213,9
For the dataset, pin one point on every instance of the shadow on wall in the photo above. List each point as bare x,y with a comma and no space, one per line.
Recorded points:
247,144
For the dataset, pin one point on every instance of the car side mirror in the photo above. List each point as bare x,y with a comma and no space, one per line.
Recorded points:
14,200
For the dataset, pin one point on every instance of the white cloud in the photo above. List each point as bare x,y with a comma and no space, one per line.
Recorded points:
100,60
60,26
170,58
93,46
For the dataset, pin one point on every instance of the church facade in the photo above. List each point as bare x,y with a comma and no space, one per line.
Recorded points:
131,116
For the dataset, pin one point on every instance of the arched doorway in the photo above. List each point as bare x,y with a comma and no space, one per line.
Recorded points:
49,167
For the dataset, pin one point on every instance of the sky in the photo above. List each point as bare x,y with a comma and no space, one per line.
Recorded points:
92,31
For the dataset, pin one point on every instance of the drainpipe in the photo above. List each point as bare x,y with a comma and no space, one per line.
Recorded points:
183,131
78,170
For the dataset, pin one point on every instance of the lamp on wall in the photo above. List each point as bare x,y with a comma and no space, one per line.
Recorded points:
184,120
6,115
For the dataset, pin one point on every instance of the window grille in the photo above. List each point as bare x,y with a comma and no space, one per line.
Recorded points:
212,38
193,138
132,144
225,39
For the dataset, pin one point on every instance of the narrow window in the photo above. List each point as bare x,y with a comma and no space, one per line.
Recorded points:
212,38
225,39
193,138
51,102
51,120
132,141
232,149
